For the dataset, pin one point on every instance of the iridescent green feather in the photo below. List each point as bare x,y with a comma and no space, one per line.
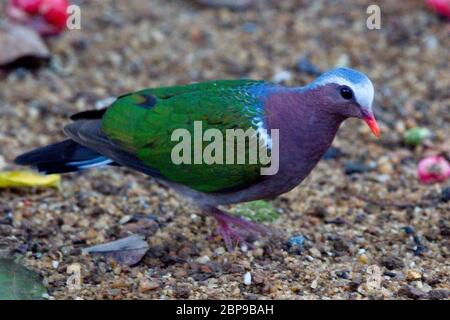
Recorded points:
144,127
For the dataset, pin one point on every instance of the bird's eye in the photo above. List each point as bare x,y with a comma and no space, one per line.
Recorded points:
346,93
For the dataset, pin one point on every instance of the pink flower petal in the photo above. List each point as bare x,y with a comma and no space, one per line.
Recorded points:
433,169
47,17
55,12
29,6
442,7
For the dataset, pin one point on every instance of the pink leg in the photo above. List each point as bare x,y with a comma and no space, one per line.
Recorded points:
234,229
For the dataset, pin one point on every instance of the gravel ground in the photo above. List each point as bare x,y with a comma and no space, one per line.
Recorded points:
375,234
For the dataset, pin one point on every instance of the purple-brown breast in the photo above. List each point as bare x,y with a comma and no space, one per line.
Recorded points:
306,128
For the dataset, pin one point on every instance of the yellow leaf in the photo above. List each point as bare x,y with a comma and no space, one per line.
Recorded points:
28,179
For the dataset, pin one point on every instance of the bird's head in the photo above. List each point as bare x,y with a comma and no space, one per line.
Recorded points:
348,93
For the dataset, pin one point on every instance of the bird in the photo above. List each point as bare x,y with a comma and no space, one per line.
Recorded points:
136,131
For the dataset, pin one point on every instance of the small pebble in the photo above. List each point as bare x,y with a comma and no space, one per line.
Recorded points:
418,249
411,292
259,252
412,275
282,76
249,27
306,66
431,42
392,262
219,251
373,278
2,162
344,274
409,230
182,292
203,260
125,219
296,241
339,221
46,296
146,285
332,153
247,278
343,60
355,167
385,165
445,195
439,294
383,178
315,252
363,259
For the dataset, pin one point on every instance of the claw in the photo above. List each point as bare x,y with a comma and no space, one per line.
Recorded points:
235,230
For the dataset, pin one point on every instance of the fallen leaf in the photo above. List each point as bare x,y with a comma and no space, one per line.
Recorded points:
20,42
19,283
259,211
28,179
128,251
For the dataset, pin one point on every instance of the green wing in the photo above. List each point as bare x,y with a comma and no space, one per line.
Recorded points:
143,122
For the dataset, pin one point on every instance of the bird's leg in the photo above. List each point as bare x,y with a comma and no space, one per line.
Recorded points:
234,229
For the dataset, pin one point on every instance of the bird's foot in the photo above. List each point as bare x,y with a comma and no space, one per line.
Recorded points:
236,230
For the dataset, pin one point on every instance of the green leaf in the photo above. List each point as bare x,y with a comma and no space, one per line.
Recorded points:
259,211
19,283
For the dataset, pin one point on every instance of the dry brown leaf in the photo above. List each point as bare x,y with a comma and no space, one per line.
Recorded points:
19,42
128,251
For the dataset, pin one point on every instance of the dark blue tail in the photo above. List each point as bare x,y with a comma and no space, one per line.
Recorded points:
62,157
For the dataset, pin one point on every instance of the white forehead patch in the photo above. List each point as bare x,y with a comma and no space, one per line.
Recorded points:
360,84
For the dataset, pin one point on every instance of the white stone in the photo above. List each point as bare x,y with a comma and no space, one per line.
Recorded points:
282,76
247,278
203,260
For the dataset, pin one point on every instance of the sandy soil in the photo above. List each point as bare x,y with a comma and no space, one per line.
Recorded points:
356,245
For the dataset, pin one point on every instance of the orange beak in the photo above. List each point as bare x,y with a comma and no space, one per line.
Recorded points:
369,118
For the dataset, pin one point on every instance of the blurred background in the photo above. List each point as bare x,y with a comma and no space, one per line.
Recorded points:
364,205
